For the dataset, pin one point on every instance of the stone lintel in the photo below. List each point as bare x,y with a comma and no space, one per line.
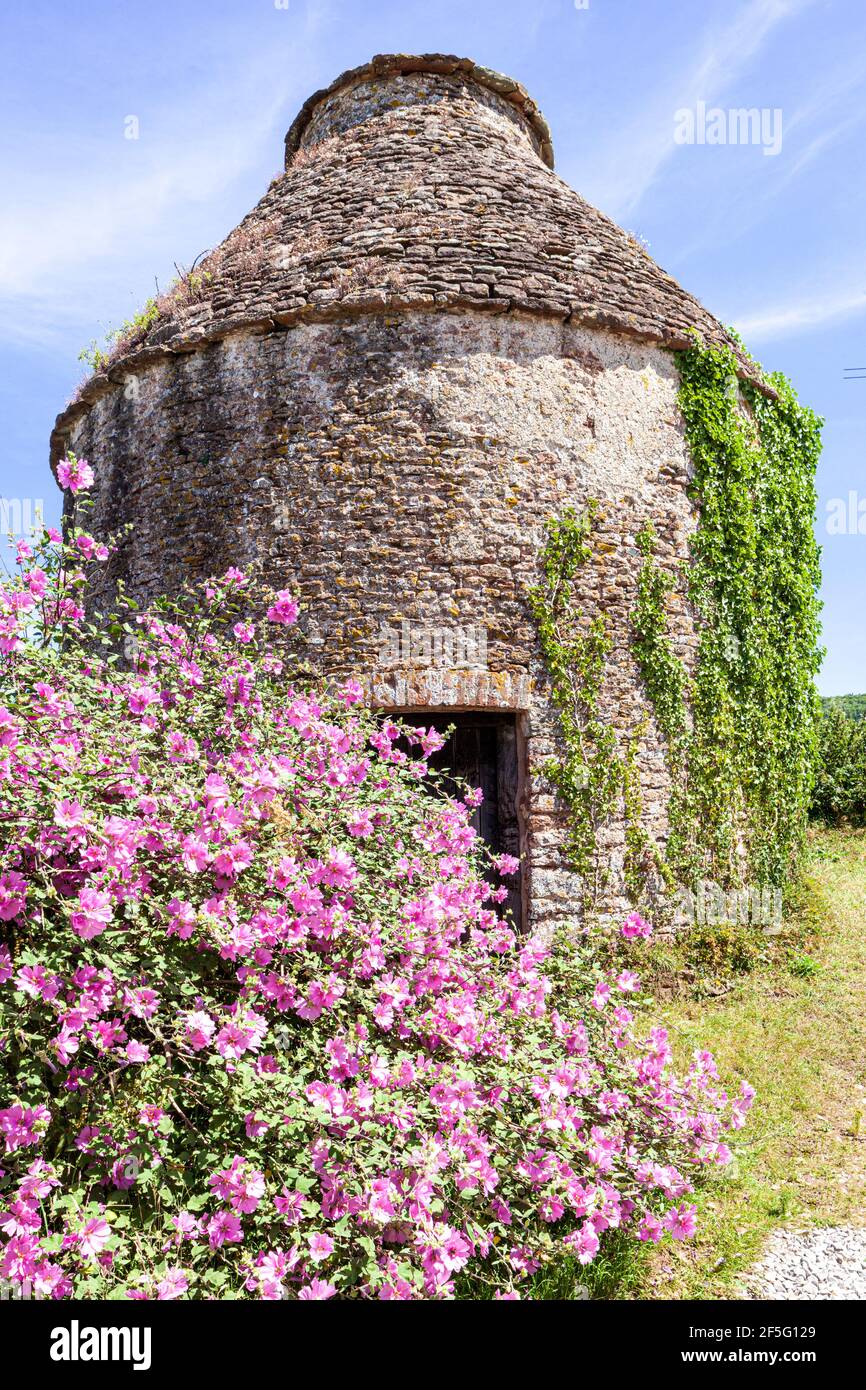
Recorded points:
444,689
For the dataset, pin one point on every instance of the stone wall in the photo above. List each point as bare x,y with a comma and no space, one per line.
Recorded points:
395,469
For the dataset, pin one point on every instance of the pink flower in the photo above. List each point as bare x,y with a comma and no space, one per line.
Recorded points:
172,1285
321,1246
37,583
634,926
199,1028
223,1228
681,1221
289,1205
234,1039
360,823
336,915
69,814
216,790
94,1236
8,729
233,860
13,891
317,1288
351,693
70,611
650,1229
195,853
21,1126
507,864
319,998
284,610
239,1185
584,1242
339,871
74,474
141,698
183,750
186,1225
600,996
124,1172
39,1180
93,915
19,1218
742,1105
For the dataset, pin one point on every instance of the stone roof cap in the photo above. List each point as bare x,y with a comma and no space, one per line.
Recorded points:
397,64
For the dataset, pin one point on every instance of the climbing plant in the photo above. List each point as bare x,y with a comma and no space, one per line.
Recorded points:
740,729
587,773
642,860
663,671
742,758
754,578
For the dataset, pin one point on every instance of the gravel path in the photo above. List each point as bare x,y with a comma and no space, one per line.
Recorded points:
829,1263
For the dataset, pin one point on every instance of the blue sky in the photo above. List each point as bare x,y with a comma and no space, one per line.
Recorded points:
89,219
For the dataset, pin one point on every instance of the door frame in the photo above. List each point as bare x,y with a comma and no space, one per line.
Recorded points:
416,714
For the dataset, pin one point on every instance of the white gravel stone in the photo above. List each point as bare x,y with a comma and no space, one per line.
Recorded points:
828,1263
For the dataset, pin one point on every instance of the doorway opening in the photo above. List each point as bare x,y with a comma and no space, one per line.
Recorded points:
483,750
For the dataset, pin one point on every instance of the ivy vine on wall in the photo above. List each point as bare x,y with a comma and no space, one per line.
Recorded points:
740,729
753,579
587,775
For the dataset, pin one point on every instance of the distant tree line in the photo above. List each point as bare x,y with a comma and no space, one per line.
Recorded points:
852,705
840,781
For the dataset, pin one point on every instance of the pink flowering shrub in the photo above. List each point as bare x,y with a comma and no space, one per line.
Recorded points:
263,1032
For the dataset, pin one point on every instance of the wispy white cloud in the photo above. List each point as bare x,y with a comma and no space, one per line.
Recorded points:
832,113
783,320
630,161
830,100
821,142
61,225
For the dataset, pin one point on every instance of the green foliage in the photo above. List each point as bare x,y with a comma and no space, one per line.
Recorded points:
748,758
803,966
852,705
722,948
663,672
740,734
188,287
638,848
588,775
840,778
121,339
95,357
591,775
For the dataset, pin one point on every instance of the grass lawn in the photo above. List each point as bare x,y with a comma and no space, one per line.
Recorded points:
795,1027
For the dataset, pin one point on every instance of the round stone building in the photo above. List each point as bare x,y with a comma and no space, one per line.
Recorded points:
419,347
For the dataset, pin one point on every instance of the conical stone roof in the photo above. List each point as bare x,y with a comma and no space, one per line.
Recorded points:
416,184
